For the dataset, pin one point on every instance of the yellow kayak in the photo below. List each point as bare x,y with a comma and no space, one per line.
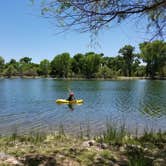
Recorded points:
64,101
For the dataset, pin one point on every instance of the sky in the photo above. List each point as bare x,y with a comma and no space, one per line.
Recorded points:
23,32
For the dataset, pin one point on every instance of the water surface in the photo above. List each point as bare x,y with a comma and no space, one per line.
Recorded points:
28,105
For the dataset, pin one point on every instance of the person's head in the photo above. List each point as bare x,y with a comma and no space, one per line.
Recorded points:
71,94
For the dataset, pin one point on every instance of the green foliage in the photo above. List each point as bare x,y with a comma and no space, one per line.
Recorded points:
10,71
94,15
44,68
104,72
93,65
154,54
113,134
27,69
117,65
60,65
25,60
128,56
2,62
77,64
140,71
138,160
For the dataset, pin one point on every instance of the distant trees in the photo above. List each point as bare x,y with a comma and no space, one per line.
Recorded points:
60,65
77,64
93,65
44,68
25,60
10,71
2,62
27,68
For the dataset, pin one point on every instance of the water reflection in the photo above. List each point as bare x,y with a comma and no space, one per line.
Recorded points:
71,107
152,101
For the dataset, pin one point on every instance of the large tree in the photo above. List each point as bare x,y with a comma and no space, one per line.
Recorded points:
77,63
60,65
93,15
44,68
91,64
154,54
128,56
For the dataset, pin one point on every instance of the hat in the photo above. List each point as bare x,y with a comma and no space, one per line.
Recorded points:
71,94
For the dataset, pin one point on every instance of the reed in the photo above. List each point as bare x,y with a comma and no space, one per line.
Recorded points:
114,134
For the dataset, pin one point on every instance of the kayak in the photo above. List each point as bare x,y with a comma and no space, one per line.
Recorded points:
64,101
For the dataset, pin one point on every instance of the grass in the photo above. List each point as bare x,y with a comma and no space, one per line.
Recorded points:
61,147
115,135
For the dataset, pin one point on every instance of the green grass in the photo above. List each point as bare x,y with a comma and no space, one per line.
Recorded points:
114,135
71,147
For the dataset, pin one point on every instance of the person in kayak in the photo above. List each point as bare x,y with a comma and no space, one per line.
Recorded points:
71,96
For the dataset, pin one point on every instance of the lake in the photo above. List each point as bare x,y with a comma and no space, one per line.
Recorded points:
28,105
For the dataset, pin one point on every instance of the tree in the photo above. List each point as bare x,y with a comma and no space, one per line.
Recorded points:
116,64
14,63
91,64
94,15
10,71
128,56
2,62
154,54
60,65
44,67
77,63
135,68
104,72
25,60
27,68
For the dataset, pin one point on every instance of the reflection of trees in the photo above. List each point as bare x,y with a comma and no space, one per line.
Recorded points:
146,97
153,101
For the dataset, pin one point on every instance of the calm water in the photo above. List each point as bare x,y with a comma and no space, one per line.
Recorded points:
28,105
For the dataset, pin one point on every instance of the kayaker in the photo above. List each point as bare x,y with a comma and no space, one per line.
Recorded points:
71,96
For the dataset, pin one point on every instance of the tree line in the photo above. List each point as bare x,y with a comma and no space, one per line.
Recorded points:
150,62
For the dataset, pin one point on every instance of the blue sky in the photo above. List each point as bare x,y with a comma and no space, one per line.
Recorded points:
24,33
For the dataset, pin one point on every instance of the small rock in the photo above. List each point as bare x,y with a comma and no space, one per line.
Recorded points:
122,149
85,144
111,163
4,156
116,164
159,162
13,161
145,149
88,143
104,146
8,159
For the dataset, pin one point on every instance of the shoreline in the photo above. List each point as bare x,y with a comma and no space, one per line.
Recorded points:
121,78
